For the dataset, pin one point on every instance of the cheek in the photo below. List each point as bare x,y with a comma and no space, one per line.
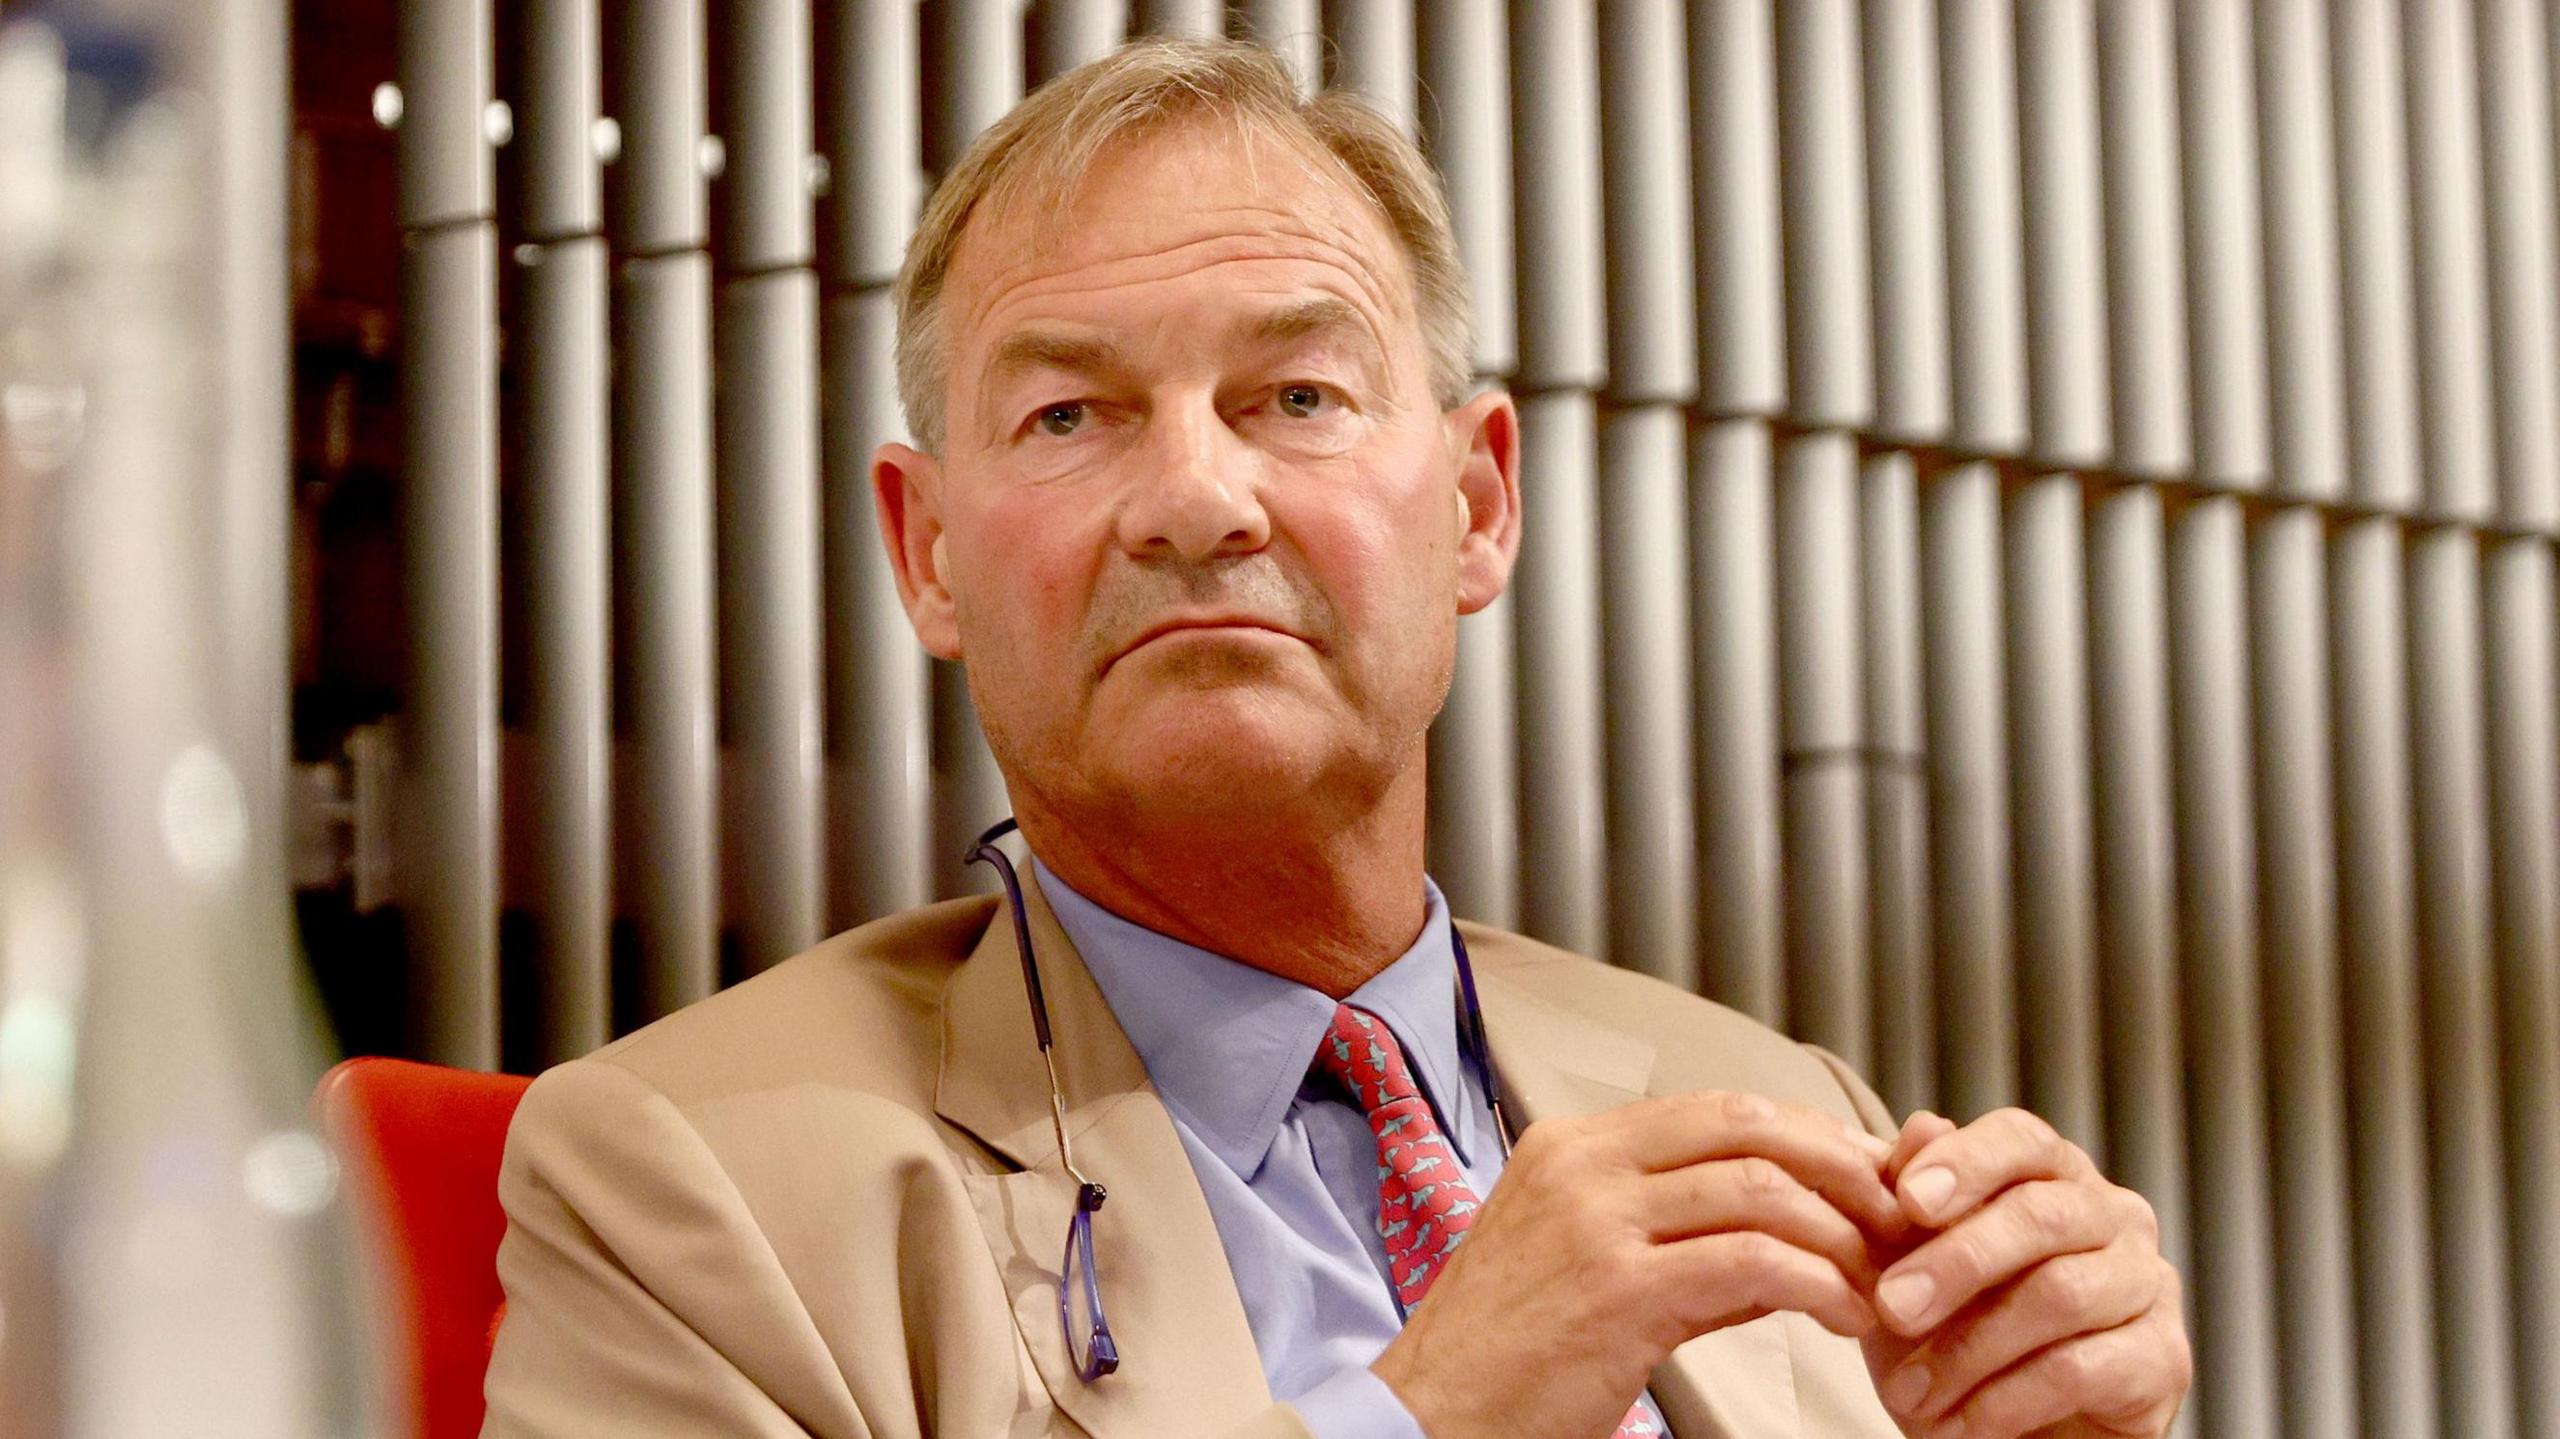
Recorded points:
1382,540
1031,576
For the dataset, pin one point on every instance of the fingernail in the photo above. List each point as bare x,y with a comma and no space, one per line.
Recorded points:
1930,1189
1906,1296
1904,1391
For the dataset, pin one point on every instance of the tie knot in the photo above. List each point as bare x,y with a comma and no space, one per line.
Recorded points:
1361,1054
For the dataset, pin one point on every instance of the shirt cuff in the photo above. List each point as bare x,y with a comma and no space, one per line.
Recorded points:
1355,1404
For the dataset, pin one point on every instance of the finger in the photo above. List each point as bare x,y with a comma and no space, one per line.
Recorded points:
2127,1379
2076,1294
1832,1157
1753,1193
1717,1280
1957,1171
1922,1127
2024,1226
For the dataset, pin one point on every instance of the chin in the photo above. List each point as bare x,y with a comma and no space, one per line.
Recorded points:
1229,748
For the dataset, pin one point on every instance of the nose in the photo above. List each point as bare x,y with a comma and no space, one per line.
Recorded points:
1195,492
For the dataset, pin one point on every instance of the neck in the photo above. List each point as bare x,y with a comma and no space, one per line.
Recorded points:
1327,906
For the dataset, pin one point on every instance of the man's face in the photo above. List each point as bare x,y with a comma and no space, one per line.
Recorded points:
1198,529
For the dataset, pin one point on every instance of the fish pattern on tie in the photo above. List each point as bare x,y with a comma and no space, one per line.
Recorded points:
1425,1204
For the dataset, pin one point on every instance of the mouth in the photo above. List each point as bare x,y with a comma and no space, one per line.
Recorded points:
1225,626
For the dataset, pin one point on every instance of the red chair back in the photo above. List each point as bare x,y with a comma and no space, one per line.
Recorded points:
420,1144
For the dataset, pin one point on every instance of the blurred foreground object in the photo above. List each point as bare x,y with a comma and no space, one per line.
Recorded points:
171,1257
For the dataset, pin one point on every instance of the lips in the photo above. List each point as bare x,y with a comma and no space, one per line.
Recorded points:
1178,624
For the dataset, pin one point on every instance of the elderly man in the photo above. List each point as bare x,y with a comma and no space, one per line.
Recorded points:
1204,1128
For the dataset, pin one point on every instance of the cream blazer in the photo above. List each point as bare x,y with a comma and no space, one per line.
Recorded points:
827,1202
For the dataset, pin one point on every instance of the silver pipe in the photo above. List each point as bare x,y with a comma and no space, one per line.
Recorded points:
973,57
1466,121
1645,628
449,504
878,707
2146,282
2450,792
2305,1043
1198,19
1968,788
2218,925
664,658
974,62
1067,33
760,198
655,90
1733,132
879,711
868,128
1822,187
1734,650
2298,861
448,173
1563,856
1823,723
563,427
242,62
2516,152
561,191
1555,149
1986,267
2049,806
765,344
2395,1263
2374,250
1294,29
2226,302
564,422
2065,277
2306,338
1475,803
2452,280
968,790
1371,54
2136,855
1653,355
2524,815
1904,992
1908,233
449,721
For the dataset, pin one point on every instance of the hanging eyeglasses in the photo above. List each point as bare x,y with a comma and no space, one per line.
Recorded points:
1080,1313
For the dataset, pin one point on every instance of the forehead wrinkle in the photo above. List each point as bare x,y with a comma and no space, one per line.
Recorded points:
1011,252
1030,279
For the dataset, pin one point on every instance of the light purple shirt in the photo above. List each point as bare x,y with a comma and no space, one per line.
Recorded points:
1287,1161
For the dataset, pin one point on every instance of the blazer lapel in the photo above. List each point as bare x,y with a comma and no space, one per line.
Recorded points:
1187,1357
1736,1383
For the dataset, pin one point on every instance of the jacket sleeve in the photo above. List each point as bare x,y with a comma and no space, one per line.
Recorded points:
642,1299
1872,1111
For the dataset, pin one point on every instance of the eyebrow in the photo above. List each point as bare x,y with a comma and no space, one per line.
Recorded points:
1027,350
1324,316
1320,317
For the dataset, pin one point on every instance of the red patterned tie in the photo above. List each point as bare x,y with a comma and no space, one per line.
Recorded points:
1424,1201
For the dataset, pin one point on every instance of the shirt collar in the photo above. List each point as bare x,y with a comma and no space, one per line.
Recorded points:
1227,1045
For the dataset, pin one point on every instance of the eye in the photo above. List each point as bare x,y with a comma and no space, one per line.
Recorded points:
1302,402
1061,420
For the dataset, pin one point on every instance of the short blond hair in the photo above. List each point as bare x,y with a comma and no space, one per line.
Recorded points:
1043,147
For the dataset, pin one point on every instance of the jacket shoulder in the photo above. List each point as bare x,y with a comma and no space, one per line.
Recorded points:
861,1011
1696,1042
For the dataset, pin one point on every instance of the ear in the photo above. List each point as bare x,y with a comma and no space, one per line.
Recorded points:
906,487
1485,431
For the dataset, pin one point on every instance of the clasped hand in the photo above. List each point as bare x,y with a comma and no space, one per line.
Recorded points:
1998,1283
